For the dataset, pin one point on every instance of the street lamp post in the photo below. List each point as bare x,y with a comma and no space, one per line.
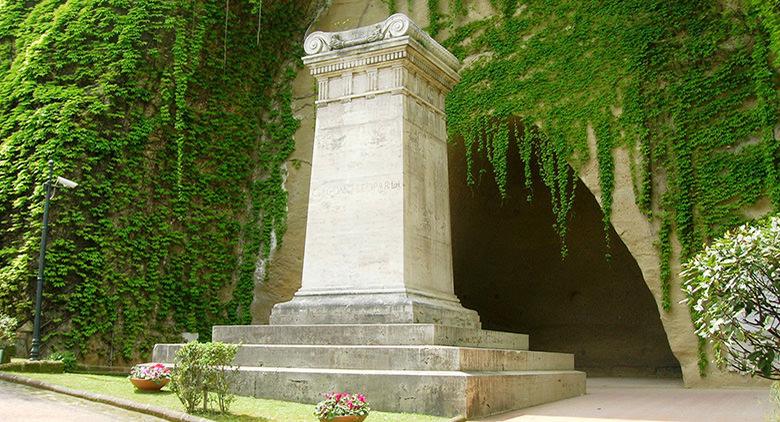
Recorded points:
35,352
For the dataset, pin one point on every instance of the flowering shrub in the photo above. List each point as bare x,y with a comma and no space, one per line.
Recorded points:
151,371
7,330
341,404
733,290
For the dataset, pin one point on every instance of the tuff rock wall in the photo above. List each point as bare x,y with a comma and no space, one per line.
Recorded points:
653,342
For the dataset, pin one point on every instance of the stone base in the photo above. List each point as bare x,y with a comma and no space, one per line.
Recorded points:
442,393
413,368
372,308
369,334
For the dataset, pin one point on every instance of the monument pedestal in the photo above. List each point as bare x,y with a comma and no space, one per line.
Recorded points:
378,244
376,312
410,368
374,308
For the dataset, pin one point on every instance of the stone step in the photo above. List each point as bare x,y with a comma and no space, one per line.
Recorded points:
443,393
370,334
419,358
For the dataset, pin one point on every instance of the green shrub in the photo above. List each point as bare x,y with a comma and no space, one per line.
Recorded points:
203,368
733,289
7,330
188,376
67,358
34,366
774,402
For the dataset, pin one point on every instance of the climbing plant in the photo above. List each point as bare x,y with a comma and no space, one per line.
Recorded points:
175,118
689,88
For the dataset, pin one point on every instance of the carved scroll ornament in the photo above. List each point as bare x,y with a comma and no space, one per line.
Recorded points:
396,25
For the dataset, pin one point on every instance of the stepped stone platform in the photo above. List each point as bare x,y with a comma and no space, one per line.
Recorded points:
421,368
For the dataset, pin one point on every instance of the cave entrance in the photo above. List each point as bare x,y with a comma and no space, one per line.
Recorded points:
508,267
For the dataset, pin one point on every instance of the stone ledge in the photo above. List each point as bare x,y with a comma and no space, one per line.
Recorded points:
415,358
102,370
443,393
370,334
147,409
316,308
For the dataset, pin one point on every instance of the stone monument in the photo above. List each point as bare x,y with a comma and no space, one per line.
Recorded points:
378,233
376,312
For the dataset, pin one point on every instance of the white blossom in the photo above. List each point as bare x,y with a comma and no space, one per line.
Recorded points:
733,290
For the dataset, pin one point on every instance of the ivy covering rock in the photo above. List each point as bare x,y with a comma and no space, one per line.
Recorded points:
175,118
203,376
687,88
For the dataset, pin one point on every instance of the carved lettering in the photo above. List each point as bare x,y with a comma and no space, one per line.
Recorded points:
331,144
351,188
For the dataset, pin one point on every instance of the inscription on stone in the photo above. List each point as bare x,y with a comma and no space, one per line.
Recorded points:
350,188
332,144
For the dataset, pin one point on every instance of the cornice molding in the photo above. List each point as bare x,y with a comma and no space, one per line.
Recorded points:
396,26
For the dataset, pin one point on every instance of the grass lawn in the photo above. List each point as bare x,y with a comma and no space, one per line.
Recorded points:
243,409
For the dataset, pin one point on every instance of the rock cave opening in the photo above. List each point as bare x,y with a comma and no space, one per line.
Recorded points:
508,267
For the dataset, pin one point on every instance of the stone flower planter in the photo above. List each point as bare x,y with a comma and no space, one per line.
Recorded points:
345,419
149,385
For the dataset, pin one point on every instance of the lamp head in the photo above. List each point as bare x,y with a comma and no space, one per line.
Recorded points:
66,183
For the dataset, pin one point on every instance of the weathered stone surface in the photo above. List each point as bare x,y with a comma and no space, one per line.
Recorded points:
410,358
378,234
400,367
370,334
637,233
640,236
366,308
444,393
437,380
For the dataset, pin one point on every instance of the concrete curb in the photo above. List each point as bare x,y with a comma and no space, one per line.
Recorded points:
147,409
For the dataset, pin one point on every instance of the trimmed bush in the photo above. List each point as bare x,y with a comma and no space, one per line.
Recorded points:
37,366
203,376
67,358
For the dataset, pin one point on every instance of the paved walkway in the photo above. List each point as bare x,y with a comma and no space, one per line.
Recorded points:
650,400
23,403
608,400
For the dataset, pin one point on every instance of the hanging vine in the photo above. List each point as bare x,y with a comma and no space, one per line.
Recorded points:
178,152
688,88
